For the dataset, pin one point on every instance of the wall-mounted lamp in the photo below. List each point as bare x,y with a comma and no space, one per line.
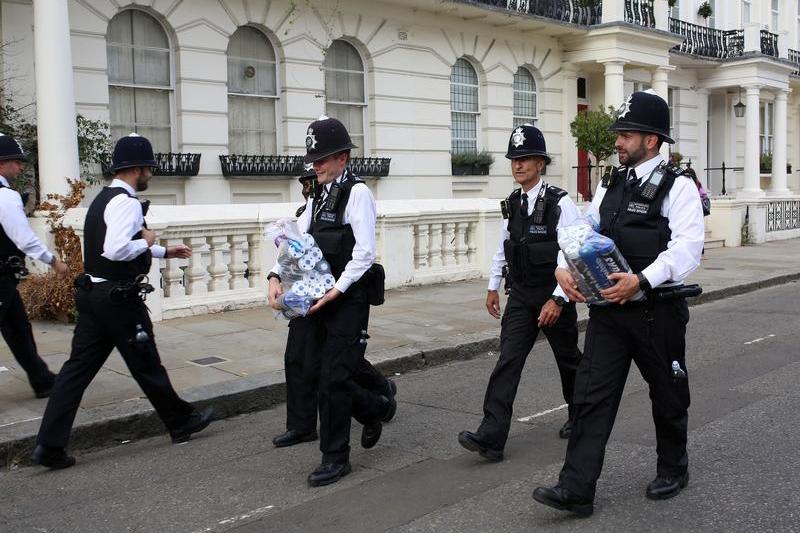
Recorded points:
738,109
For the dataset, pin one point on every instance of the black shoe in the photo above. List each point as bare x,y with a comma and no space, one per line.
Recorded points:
328,473
474,443
292,437
665,487
370,435
392,402
55,458
566,430
560,498
197,421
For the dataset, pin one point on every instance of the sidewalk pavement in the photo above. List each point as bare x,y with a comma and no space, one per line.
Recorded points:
234,360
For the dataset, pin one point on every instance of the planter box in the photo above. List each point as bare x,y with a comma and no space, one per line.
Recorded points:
469,170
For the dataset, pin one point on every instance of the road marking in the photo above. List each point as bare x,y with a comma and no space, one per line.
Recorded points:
542,413
234,519
760,339
21,421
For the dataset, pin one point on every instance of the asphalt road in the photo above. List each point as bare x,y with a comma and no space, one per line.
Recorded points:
744,366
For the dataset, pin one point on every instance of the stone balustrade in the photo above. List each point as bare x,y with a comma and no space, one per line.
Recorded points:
418,242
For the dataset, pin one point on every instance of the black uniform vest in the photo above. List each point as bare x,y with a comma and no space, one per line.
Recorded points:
333,236
94,229
7,247
532,249
634,223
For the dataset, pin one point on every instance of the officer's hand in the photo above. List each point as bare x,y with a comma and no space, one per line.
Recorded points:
626,285
274,291
149,236
179,250
568,285
329,296
549,315
493,303
60,268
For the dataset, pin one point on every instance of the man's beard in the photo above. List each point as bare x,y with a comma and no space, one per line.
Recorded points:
634,158
141,184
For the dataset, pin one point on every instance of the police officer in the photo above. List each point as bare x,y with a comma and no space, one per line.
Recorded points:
529,248
309,181
655,217
118,251
16,241
341,218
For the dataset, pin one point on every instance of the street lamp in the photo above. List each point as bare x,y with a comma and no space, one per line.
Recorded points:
738,109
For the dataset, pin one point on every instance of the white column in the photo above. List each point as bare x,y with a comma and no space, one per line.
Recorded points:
661,12
55,96
569,107
778,186
615,83
660,83
700,159
613,11
752,178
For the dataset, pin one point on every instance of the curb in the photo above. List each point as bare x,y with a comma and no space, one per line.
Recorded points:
247,396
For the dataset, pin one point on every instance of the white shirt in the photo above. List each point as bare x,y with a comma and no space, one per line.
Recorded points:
569,213
16,226
682,208
124,219
360,212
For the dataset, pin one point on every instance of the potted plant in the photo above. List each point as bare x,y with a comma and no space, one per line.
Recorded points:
705,10
471,163
592,134
765,163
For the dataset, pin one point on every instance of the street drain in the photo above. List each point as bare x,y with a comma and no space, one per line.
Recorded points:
208,361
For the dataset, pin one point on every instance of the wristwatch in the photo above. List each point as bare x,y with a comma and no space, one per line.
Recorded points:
643,283
559,300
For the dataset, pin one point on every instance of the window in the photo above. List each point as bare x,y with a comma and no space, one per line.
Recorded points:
766,127
524,98
464,107
582,87
746,6
140,78
675,11
252,93
775,16
345,90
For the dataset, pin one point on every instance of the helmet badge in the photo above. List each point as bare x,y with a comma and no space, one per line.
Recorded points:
311,140
518,138
625,108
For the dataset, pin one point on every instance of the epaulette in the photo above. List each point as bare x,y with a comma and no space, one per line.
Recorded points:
556,192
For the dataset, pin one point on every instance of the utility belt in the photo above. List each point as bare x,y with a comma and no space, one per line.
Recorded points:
13,266
663,294
371,287
136,289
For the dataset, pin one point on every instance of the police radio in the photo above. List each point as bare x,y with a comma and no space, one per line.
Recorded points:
504,209
333,198
650,189
538,207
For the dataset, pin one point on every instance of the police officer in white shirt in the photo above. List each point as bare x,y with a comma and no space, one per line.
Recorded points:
118,251
655,218
341,218
529,249
17,240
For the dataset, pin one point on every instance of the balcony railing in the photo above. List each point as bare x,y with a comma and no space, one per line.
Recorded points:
794,57
769,43
571,11
707,42
640,12
168,164
236,165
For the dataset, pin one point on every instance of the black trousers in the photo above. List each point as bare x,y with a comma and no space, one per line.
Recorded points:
652,335
102,325
518,334
302,364
18,334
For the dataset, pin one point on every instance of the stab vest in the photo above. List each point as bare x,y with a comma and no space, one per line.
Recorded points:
7,247
95,235
632,221
532,249
333,236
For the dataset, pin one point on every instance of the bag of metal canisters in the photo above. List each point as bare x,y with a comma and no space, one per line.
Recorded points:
591,257
305,274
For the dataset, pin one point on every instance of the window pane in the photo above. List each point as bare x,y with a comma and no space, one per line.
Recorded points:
353,119
341,55
251,63
120,63
151,67
524,95
147,31
464,87
344,74
138,50
464,133
251,125
142,111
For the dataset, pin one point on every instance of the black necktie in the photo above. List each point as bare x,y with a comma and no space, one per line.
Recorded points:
524,205
632,182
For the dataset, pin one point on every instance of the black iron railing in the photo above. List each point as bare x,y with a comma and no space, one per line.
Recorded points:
707,42
236,165
572,11
640,12
783,215
769,43
168,164
794,57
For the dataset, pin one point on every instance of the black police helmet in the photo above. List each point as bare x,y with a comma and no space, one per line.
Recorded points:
308,173
644,111
132,151
10,149
326,136
525,141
